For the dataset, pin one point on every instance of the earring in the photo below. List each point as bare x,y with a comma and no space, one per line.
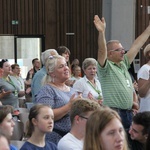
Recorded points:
53,79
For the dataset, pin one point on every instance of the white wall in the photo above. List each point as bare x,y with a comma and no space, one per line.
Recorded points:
120,19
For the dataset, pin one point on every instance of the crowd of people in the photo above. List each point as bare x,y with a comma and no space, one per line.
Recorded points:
80,112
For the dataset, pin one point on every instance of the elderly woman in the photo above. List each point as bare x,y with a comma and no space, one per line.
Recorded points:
89,86
58,95
9,86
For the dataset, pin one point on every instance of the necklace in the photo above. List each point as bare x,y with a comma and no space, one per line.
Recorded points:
64,87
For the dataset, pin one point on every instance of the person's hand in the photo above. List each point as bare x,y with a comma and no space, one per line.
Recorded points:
70,82
4,93
99,24
31,71
100,102
21,93
28,90
73,98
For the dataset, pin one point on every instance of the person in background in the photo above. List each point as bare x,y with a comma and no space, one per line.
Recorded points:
89,86
75,62
147,145
144,82
6,122
106,132
16,74
113,65
3,93
138,131
36,67
76,73
4,143
9,86
36,83
79,113
41,121
65,52
58,95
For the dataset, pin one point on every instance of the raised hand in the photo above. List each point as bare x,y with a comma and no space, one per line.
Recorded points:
100,24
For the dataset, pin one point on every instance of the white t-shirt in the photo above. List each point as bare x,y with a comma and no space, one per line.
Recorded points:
70,142
82,85
143,73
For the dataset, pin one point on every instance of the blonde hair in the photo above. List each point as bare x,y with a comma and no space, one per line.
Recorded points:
50,65
95,125
46,54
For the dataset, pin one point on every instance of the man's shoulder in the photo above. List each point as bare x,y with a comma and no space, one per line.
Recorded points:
68,142
67,138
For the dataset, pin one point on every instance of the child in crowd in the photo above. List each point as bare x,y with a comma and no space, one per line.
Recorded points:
6,122
41,121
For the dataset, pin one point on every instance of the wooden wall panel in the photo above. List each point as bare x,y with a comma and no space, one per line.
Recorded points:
54,18
76,16
142,21
28,13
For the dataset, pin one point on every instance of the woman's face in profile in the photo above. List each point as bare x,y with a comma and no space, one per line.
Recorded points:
7,126
66,56
6,67
114,134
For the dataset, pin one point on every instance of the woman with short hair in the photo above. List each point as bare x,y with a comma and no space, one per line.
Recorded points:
89,85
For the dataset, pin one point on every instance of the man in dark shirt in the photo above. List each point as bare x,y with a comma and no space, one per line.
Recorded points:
138,131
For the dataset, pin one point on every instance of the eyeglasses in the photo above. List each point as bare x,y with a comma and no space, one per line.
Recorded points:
83,117
118,50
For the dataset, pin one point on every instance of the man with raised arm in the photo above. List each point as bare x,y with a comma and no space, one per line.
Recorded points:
113,65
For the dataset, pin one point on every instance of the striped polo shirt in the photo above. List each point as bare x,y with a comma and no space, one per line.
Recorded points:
116,84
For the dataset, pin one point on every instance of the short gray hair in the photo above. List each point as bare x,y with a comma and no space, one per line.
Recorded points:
87,62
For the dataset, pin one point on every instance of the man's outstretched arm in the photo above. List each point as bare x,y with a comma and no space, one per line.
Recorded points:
137,44
100,25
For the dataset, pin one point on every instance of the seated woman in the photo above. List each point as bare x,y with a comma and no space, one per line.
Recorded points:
58,95
6,122
106,133
89,85
41,121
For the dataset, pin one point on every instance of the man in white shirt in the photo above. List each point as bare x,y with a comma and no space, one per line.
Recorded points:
79,113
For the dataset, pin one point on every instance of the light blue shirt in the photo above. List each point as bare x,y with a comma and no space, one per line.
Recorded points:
36,82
